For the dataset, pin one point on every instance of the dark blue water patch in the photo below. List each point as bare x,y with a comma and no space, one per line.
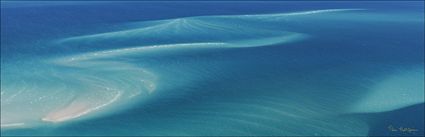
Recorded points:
74,18
408,121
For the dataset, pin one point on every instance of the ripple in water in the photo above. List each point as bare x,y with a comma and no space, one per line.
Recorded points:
265,74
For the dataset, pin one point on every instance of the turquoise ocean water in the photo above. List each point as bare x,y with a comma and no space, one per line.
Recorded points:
212,68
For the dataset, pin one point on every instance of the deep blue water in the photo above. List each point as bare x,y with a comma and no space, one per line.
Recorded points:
212,68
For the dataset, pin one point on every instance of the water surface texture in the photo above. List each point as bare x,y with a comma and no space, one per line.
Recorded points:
212,68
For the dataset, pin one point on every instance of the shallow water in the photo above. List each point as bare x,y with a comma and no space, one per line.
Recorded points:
212,68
